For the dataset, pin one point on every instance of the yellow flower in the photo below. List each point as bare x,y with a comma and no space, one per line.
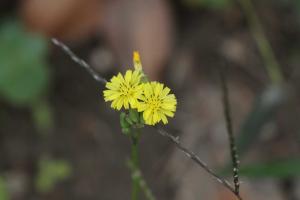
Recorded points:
156,103
124,91
137,61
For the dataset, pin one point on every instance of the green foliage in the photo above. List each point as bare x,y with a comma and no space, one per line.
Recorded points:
50,173
276,169
42,116
131,120
134,115
263,111
214,4
23,68
3,190
124,124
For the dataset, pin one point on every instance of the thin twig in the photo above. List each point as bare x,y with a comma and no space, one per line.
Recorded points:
228,120
162,132
79,61
197,160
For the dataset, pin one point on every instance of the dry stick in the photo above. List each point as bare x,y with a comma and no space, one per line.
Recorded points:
79,61
162,132
197,160
228,120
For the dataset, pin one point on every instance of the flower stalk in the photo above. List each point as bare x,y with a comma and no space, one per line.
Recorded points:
131,127
135,164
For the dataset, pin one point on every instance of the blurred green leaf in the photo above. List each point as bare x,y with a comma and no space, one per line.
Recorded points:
50,173
3,190
276,169
263,111
214,4
42,116
23,67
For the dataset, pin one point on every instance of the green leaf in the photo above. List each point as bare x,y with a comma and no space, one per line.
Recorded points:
214,4
42,116
263,111
134,115
123,121
276,169
50,173
126,131
3,189
23,68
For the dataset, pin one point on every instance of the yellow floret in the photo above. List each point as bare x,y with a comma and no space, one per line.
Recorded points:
124,91
156,103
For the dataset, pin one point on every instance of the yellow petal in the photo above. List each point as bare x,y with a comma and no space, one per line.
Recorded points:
128,76
137,61
146,114
119,104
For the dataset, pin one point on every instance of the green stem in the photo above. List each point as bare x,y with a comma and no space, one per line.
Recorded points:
266,51
135,162
142,182
228,120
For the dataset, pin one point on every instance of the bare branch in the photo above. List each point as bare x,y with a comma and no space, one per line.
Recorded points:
197,160
79,61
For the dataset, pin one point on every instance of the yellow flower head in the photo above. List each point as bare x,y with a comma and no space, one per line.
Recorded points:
156,103
124,91
137,61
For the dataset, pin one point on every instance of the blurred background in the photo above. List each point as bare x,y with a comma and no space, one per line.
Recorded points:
59,140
